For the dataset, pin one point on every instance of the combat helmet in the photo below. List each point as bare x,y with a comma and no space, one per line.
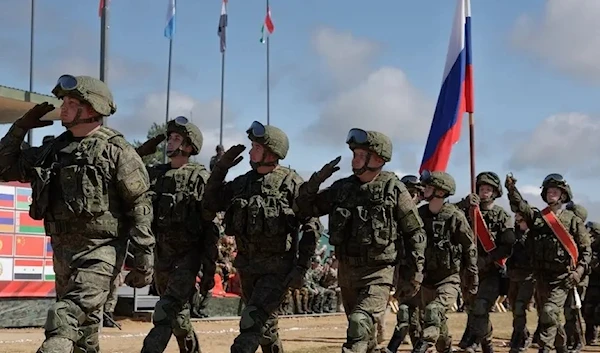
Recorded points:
579,210
185,128
439,180
412,182
86,89
557,181
373,141
271,137
593,227
491,179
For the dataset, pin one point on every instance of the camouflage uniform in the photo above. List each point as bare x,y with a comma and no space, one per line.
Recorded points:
214,159
520,290
368,223
450,249
408,317
552,265
111,302
92,194
492,270
259,214
186,239
329,281
591,304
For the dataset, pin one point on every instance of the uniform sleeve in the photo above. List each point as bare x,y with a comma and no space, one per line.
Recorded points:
506,237
410,226
583,240
313,203
465,237
17,164
310,228
133,185
519,205
218,193
210,236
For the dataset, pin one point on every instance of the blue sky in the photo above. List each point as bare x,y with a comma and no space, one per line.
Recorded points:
336,65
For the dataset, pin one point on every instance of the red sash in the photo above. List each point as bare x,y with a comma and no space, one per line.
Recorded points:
562,234
484,236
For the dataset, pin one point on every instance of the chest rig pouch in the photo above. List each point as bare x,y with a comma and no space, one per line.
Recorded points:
84,176
260,215
442,253
176,202
363,222
549,254
43,171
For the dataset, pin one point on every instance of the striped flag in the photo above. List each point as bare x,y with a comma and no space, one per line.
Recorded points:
456,95
170,26
267,26
100,7
222,31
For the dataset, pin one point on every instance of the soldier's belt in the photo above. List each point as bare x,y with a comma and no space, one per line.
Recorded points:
69,227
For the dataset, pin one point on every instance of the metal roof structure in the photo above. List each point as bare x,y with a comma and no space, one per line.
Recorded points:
15,102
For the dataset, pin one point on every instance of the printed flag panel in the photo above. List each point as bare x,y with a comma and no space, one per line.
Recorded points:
29,245
28,270
26,224
23,199
49,251
6,244
7,196
29,289
49,271
7,221
6,269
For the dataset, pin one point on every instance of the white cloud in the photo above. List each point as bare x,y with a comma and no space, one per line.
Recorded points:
564,142
567,36
379,99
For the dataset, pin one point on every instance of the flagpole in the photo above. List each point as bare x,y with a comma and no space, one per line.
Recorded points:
168,89
222,96
31,38
268,76
104,43
472,151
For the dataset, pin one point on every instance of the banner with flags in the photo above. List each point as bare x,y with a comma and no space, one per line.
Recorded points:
268,28
170,26
222,31
456,94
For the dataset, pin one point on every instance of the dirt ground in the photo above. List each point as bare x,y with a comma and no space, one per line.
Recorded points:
300,335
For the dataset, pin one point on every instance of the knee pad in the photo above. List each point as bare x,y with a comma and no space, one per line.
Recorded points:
432,315
480,307
63,320
252,319
165,311
360,326
550,315
181,325
519,309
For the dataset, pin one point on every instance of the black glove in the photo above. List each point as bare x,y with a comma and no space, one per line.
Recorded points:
231,157
149,147
474,199
325,173
31,119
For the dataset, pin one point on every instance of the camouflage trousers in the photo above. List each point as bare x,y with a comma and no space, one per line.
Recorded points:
176,285
73,322
364,307
111,301
520,293
435,302
263,295
572,329
408,318
552,296
591,304
478,320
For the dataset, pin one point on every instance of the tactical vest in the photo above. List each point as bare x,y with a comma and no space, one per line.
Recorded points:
443,253
548,253
494,224
176,199
260,215
81,195
363,225
519,259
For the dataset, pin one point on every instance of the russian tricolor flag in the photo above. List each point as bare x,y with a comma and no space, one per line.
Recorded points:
456,94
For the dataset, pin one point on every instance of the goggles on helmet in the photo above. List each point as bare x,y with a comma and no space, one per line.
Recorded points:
410,179
181,120
554,177
425,176
358,136
67,82
257,130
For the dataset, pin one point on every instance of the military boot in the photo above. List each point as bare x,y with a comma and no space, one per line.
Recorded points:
397,339
487,346
106,322
467,339
591,334
422,347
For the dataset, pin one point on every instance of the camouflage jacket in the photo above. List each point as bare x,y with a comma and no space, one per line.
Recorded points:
259,214
92,193
369,224
451,247
546,252
519,262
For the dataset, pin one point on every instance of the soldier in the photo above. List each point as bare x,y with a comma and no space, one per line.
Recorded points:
520,290
408,319
591,304
329,282
559,247
214,159
451,249
270,259
572,328
186,238
495,240
91,189
371,217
